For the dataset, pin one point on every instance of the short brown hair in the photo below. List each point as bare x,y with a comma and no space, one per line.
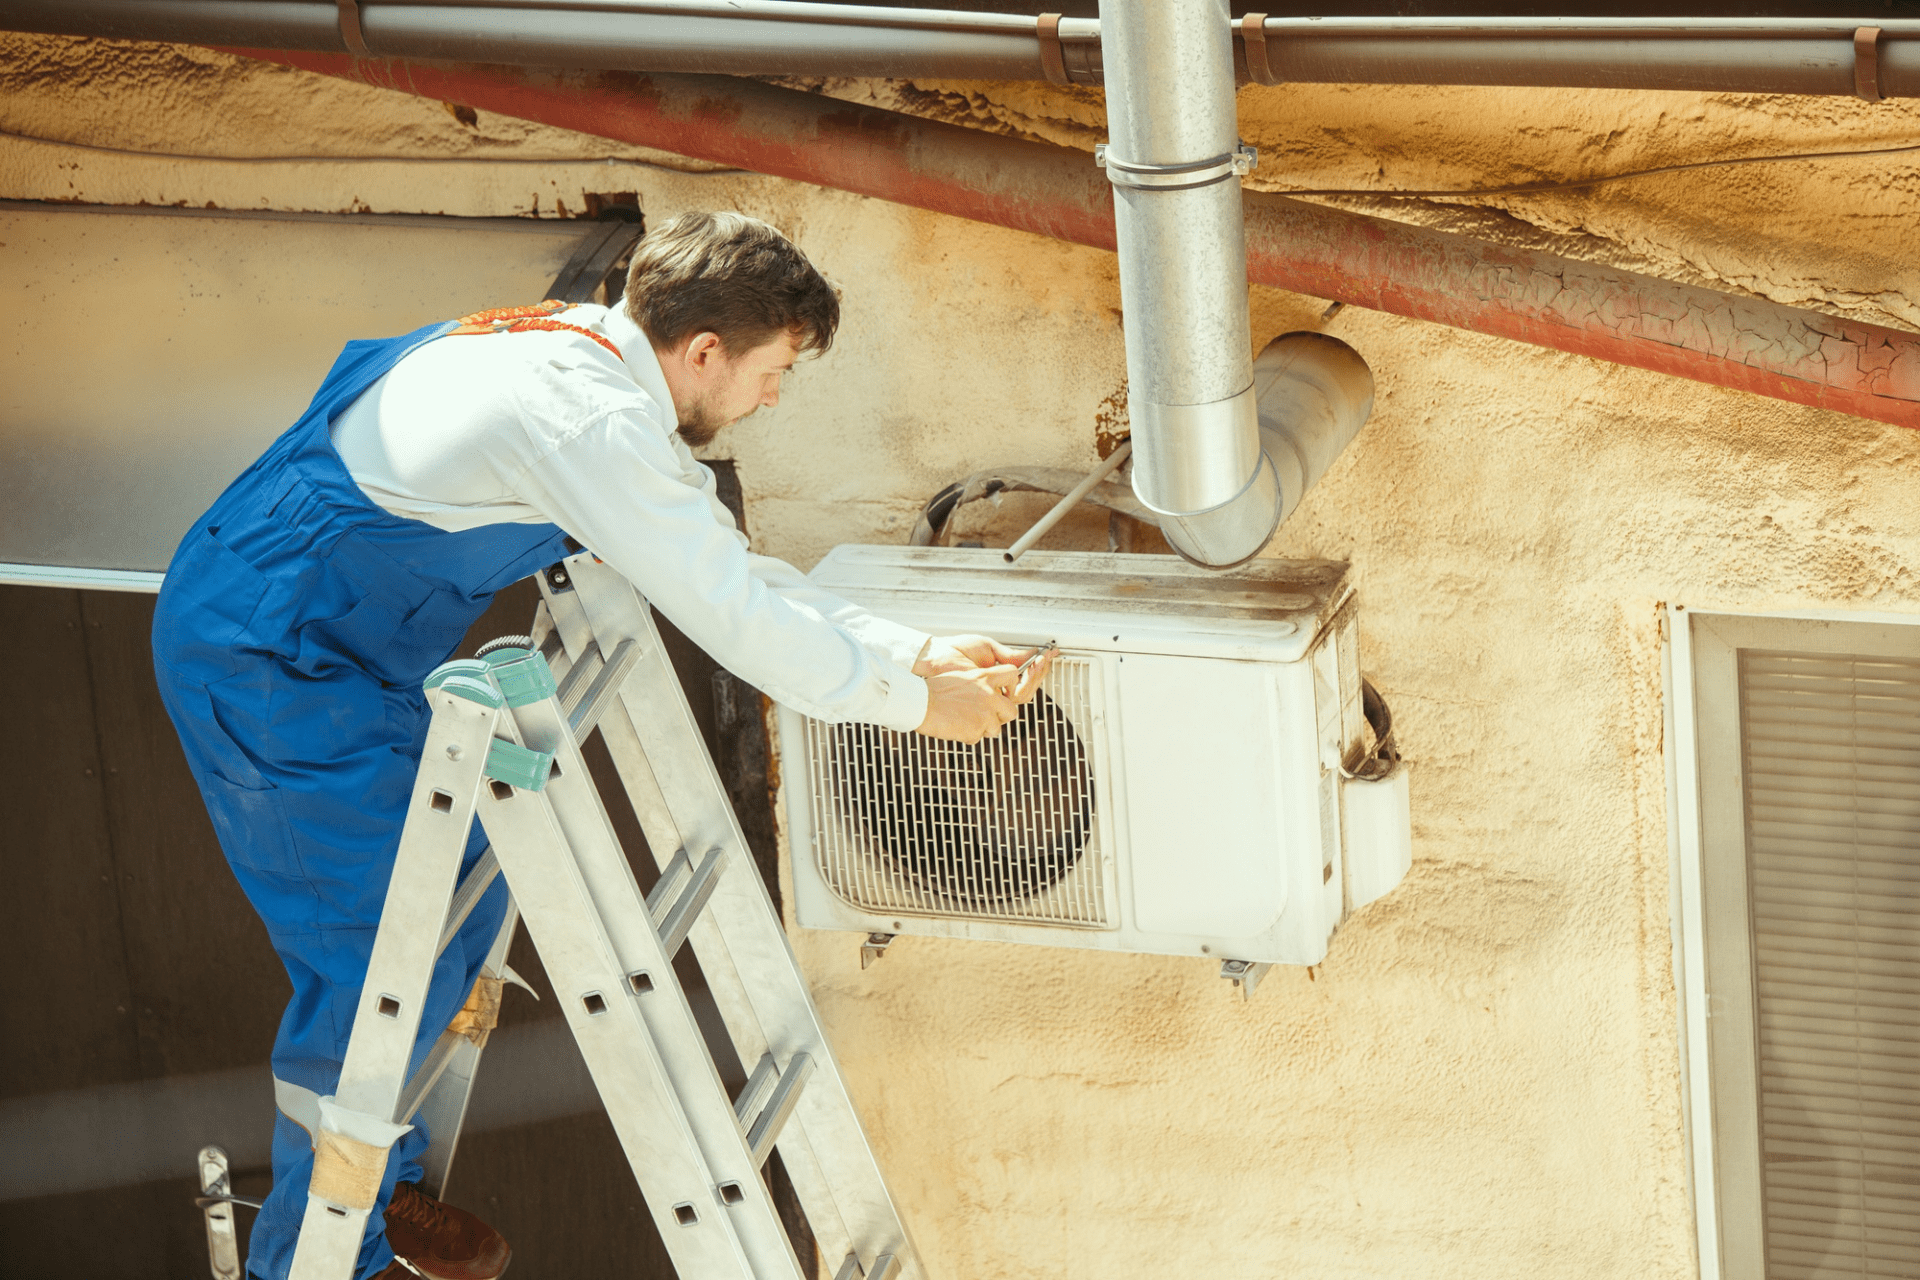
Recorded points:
731,275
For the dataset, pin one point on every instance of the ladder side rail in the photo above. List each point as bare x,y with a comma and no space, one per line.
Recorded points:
444,1108
620,1053
836,1232
359,1118
740,941
561,610
756,981
638,946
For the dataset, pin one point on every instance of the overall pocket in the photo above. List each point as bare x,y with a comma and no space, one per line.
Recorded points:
244,803
206,607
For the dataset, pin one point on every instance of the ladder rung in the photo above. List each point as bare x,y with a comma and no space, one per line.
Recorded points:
675,919
773,1117
607,677
884,1268
467,895
428,1074
756,1088
579,676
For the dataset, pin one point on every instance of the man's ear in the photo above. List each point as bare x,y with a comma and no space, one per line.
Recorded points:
702,348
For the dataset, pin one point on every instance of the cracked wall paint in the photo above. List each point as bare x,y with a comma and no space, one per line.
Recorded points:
1482,1080
1392,266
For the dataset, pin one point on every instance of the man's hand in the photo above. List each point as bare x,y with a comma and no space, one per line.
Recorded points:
975,686
965,653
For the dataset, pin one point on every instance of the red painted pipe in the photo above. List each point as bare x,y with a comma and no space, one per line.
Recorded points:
1745,343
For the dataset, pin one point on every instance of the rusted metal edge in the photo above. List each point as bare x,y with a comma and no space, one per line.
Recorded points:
1748,344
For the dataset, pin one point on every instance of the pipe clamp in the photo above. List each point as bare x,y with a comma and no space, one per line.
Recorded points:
1176,177
351,33
1866,64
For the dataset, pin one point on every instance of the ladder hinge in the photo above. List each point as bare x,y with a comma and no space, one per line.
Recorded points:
519,766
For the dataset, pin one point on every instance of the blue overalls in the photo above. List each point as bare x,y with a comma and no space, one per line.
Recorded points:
292,634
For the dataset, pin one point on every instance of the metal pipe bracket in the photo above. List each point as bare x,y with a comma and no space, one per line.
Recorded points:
351,33
1253,35
1866,64
1237,163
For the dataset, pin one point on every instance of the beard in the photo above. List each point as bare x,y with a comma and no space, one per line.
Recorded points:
699,432
700,424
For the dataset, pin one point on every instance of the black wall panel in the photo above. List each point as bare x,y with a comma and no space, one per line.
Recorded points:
141,996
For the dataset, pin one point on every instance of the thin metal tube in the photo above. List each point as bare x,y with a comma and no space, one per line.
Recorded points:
772,37
844,15
758,37
1069,502
1579,28
1812,61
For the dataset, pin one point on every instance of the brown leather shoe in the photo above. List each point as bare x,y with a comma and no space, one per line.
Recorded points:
442,1242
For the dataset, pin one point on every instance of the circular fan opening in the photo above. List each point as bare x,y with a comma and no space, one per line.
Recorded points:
978,826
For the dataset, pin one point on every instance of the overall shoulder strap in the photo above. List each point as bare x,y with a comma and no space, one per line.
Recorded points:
521,319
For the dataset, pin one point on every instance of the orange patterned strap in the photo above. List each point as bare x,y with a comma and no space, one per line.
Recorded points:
522,319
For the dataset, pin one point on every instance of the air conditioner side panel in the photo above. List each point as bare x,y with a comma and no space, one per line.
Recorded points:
815,906
1206,828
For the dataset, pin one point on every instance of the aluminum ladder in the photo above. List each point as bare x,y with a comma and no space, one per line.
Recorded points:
504,746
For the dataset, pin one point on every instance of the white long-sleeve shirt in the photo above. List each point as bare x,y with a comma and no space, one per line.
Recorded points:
539,426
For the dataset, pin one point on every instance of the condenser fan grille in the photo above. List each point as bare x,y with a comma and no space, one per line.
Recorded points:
1000,831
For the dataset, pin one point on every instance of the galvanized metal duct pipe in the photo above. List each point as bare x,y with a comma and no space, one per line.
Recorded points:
1563,304
1843,56
1173,156
1315,393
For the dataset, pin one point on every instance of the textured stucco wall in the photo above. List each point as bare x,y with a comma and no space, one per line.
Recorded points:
1482,1079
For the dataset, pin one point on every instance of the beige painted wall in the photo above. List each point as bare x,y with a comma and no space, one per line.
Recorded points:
1482,1079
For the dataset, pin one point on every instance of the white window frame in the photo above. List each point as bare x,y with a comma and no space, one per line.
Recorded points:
1712,956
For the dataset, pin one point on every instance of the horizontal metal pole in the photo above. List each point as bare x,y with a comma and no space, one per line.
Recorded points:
1572,28
1811,63
845,15
760,40
771,37
143,581
1559,303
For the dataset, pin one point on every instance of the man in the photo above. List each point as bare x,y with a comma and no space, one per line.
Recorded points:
302,612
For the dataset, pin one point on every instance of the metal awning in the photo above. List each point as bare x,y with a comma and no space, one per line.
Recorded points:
153,353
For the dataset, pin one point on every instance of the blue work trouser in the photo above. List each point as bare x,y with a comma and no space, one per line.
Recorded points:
292,633
322,924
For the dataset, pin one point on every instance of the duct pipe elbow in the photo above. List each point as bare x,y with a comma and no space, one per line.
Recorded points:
1314,393
1191,458
1233,532
1200,469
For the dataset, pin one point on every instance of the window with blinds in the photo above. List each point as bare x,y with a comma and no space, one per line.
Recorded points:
1830,754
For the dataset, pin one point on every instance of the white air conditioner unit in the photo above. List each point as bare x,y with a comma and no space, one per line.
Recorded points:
1183,785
